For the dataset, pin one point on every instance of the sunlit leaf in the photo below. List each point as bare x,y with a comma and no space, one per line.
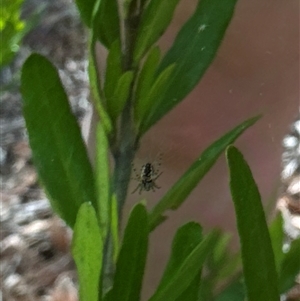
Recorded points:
103,180
87,252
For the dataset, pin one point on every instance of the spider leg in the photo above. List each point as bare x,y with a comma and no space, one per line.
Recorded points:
139,186
157,176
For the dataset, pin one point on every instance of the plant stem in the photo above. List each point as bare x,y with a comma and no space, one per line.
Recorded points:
123,160
125,144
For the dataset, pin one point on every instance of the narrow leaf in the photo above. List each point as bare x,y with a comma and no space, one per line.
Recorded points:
114,225
87,252
184,186
132,258
103,180
106,22
277,234
96,93
116,104
257,253
113,70
146,75
145,103
193,51
234,292
59,152
154,21
221,266
85,8
179,281
185,241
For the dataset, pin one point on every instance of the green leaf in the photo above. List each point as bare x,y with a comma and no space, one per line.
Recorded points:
216,260
103,180
146,75
234,292
108,295
85,8
185,241
113,70
115,227
179,281
222,264
276,234
59,152
145,103
193,51
132,258
106,22
116,104
154,21
215,263
290,267
12,30
183,187
87,252
257,253
96,89
230,266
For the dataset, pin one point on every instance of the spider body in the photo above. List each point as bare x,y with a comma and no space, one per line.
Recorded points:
147,178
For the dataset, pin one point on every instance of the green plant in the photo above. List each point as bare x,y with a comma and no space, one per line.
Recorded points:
139,89
12,29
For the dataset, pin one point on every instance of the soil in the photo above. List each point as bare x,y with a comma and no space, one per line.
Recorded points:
35,259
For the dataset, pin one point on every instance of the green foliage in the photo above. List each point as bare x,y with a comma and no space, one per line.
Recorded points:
185,241
183,187
106,22
277,237
103,181
193,51
146,101
220,266
290,267
121,94
181,278
113,70
59,153
132,257
87,252
136,90
234,292
86,8
96,95
257,254
154,21
12,29
145,81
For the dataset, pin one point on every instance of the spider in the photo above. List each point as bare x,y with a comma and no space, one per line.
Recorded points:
147,178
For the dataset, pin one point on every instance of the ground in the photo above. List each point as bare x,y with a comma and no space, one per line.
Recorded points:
35,259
